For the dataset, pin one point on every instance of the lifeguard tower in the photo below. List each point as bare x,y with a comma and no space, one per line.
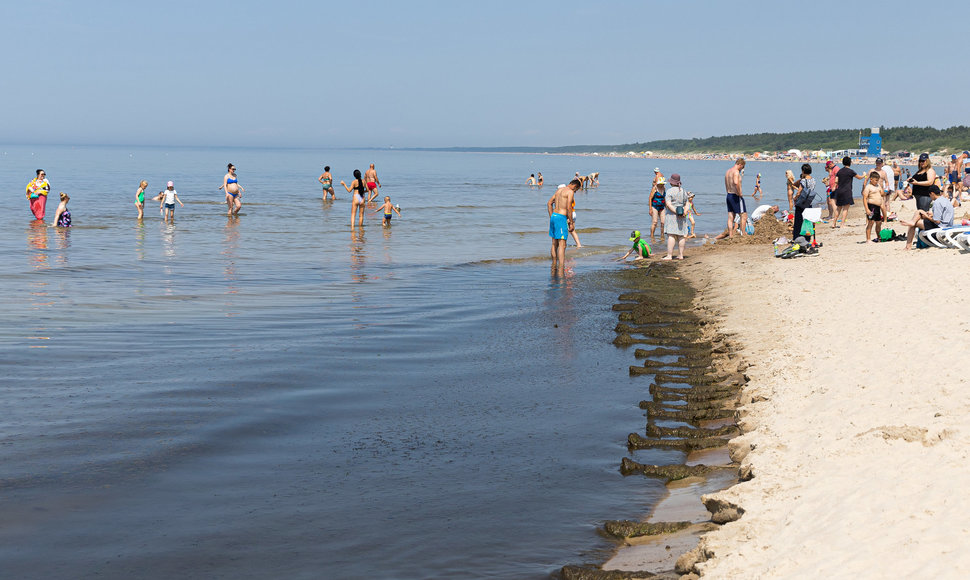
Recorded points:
872,144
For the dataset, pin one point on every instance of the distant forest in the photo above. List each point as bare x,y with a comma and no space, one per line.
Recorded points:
894,139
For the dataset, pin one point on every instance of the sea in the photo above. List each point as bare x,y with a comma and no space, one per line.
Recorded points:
281,396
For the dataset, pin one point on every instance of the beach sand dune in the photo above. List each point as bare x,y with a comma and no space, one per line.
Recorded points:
857,416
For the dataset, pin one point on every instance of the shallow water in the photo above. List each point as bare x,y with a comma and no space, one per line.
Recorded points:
276,396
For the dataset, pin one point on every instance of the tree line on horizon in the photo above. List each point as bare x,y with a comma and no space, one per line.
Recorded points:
894,139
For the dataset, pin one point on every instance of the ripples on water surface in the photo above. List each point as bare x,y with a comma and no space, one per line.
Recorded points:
276,396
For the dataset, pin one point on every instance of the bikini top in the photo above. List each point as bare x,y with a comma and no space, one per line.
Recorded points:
231,180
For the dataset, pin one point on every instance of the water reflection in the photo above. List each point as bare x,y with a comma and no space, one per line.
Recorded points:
62,241
230,250
559,302
37,244
358,255
168,239
37,295
140,240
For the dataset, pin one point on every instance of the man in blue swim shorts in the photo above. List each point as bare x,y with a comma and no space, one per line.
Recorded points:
560,206
735,203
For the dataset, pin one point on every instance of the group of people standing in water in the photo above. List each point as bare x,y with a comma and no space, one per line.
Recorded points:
37,191
364,188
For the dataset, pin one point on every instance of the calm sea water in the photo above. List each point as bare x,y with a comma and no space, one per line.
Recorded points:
277,396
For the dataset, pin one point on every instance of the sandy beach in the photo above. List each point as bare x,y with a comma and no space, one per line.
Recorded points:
856,423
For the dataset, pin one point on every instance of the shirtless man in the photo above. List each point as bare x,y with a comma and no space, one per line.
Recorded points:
559,206
370,178
735,201
958,186
953,174
897,175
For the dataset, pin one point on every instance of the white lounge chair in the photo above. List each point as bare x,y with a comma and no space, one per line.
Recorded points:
949,236
962,241
939,236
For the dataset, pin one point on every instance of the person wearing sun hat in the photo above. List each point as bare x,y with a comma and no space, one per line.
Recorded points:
641,247
676,223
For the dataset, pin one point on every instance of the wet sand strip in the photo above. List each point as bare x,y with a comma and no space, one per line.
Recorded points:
695,387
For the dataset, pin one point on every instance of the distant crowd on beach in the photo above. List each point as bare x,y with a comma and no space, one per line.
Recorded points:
364,187
671,207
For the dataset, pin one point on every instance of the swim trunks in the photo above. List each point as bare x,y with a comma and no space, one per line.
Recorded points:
876,212
734,203
954,176
558,226
387,216
371,185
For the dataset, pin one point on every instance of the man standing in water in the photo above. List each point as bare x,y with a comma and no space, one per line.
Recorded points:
370,178
735,201
559,206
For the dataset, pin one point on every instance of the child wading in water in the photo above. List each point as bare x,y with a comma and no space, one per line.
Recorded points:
388,207
168,199
641,247
691,211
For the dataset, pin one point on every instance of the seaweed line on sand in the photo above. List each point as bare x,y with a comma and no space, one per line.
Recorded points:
697,380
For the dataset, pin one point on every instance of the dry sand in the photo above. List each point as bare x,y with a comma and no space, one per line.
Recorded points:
857,415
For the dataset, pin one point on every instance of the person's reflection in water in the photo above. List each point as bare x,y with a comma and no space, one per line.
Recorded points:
62,241
140,240
230,248
562,309
168,239
37,240
358,256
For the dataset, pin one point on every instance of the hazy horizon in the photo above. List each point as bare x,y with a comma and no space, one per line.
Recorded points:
434,75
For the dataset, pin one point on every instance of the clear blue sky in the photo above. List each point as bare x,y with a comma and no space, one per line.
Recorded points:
463,73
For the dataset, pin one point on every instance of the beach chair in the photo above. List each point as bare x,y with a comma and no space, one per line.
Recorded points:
950,235
940,237
962,240
928,237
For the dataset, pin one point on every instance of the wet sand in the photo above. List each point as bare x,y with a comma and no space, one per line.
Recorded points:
856,418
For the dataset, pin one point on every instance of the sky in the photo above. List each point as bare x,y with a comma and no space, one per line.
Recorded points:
460,73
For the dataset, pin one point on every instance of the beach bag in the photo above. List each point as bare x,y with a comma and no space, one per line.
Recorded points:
679,209
806,197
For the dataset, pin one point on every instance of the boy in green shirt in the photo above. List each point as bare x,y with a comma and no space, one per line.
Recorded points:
641,247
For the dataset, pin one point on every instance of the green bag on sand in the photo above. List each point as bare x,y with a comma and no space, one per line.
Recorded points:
886,234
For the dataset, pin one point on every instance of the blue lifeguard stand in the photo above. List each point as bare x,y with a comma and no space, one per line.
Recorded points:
872,144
